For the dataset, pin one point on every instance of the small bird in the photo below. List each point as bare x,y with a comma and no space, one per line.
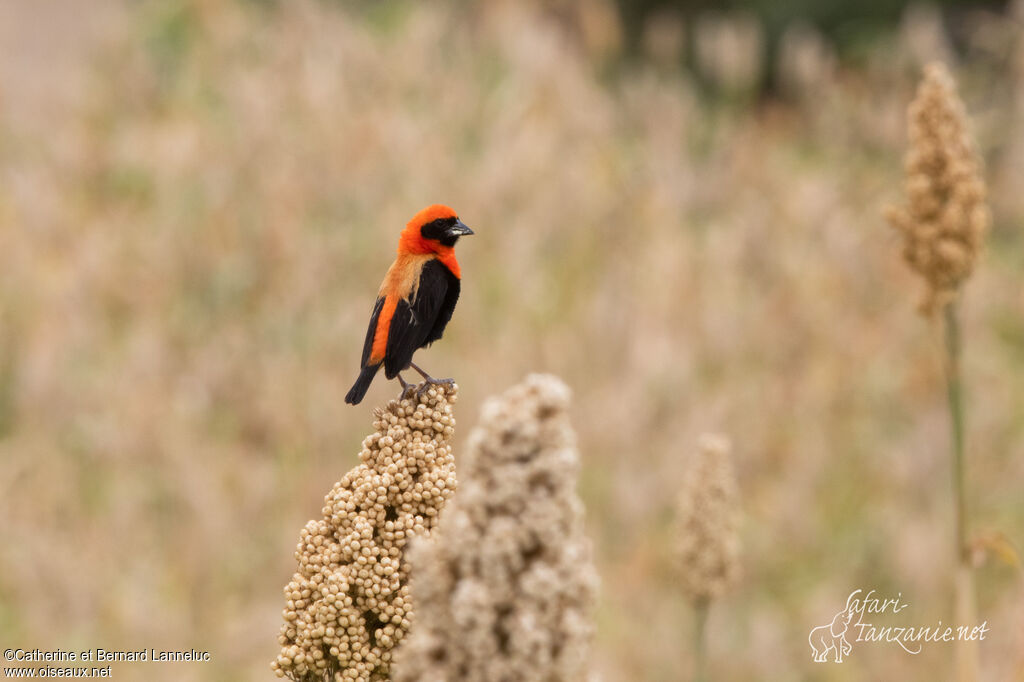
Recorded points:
416,299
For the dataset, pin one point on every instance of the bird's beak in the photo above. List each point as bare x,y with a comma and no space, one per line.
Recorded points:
459,229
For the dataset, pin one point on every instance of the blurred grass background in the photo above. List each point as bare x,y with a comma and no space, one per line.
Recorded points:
198,199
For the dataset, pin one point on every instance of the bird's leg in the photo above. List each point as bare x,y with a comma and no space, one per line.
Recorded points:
429,380
405,386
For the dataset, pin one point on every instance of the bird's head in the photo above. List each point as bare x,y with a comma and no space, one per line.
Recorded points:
435,229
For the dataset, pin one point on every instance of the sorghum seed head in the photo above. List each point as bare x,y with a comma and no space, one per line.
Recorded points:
504,586
348,604
945,216
707,522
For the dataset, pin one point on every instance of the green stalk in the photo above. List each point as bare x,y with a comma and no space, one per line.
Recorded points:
966,652
700,620
956,413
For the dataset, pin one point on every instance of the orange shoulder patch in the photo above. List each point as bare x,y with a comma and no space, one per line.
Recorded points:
404,275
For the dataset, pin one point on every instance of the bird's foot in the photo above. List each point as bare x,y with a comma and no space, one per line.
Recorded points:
407,388
431,381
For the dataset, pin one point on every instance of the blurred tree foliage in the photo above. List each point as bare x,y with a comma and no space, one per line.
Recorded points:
848,25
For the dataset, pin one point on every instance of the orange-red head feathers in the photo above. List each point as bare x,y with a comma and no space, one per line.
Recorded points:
434,230
430,214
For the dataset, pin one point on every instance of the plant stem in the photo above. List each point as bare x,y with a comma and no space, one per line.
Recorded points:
956,413
700,620
966,652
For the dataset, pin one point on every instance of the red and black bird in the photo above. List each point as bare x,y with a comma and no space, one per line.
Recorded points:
416,299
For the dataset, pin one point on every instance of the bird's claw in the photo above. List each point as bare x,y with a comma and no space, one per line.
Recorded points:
427,383
406,388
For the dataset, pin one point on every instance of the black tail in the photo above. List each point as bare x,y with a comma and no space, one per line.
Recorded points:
358,390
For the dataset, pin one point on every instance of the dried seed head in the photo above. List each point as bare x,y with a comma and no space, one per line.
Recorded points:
945,217
348,605
707,522
504,587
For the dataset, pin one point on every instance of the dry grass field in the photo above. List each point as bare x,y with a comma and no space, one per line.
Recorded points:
198,199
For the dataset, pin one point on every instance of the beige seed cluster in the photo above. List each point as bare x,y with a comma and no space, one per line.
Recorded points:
707,522
504,587
348,604
945,216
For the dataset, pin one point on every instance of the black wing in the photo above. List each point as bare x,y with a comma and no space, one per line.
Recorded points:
451,297
371,331
413,323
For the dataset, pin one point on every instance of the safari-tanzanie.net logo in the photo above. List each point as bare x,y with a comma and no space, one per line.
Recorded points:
855,623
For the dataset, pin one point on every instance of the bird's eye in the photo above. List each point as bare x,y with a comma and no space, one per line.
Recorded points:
437,229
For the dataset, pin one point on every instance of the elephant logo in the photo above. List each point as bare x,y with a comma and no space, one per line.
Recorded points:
832,637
